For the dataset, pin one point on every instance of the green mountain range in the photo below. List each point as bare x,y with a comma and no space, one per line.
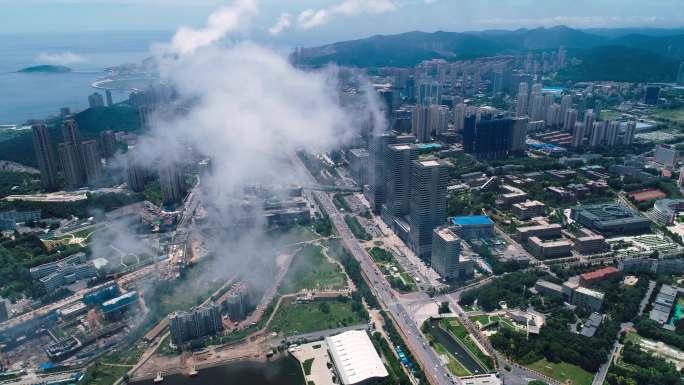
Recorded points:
621,54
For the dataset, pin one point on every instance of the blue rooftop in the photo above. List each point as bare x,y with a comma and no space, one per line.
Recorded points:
429,146
472,220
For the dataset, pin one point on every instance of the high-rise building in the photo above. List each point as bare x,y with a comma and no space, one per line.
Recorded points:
680,180
565,105
71,155
459,116
4,309
667,155
199,322
570,119
598,132
91,161
70,132
680,74
537,107
446,256
419,125
358,159
108,143
427,207
429,92
651,95
171,183
488,138
578,135
398,162
588,121
95,100
630,129
375,194
69,159
612,133
110,102
523,97
553,115
42,145
519,136
438,119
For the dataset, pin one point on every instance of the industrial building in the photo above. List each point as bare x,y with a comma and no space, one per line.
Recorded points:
355,360
610,218
471,227
115,307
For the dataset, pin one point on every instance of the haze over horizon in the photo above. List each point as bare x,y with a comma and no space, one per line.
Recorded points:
312,22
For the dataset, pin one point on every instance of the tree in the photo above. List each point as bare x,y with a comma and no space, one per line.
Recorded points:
444,308
324,307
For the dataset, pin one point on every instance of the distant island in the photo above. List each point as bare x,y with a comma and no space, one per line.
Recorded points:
54,69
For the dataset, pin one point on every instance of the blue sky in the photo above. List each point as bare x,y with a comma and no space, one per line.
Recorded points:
332,20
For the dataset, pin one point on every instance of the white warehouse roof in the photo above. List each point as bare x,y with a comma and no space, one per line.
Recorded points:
355,357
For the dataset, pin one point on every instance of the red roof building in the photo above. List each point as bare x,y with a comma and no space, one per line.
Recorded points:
598,275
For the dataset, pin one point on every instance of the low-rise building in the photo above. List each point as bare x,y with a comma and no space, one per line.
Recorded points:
591,325
610,218
573,293
550,249
588,242
354,358
512,195
66,271
474,226
541,231
528,209
665,210
596,276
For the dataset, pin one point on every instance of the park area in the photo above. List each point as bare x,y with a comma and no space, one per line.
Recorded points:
295,318
398,278
312,270
563,372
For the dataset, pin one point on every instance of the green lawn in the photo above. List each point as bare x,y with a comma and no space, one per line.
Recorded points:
293,234
633,338
675,115
485,320
101,374
563,372
356,228
311,270
86,232
293,318
307,366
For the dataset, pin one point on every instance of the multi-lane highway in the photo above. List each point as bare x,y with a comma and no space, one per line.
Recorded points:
436,373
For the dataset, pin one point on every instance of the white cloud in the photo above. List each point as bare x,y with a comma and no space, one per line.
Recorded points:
59,58
284,22
311,18
221,22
